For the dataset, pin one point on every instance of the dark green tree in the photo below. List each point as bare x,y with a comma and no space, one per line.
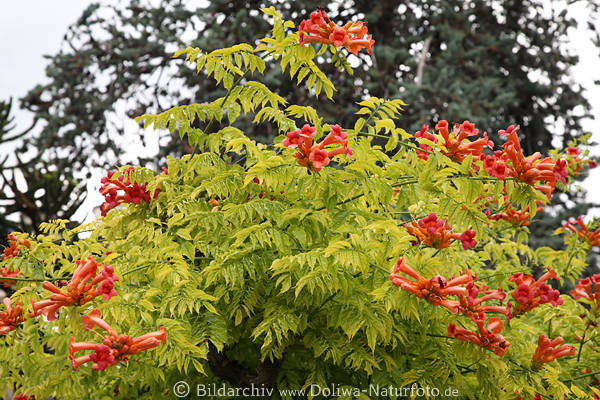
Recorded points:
32,191
492,62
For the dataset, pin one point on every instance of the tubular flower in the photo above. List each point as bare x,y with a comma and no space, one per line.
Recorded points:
456,147
435,232
80,290
583,291
471,303
132,192
114,347
530,293
314,156
320,29
4,272
541,173
547,351
425,148
488,337
581,229
515,217
14,246
434,290
11,317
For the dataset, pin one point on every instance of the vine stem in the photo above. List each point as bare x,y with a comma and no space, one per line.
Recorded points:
137,268
412,146
582,341
581,376
34,279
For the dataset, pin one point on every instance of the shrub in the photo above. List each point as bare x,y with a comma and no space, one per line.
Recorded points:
334,260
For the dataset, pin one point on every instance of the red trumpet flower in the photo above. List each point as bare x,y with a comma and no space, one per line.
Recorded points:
80,290
4,272
547,351
531,293
22,396
434,290
425,148
488,337
435,232
456,147
114,347
132,192
541,173
583,291
471,304
11,317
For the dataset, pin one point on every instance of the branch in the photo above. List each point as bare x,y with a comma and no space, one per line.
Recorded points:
421,67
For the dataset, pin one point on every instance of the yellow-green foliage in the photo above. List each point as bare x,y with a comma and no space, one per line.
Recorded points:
291,271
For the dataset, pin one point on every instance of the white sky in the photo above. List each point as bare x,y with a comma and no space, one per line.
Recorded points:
29,30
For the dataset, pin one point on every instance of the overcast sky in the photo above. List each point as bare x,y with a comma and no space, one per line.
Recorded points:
29,30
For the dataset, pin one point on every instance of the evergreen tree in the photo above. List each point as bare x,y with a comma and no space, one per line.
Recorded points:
35,190
491,62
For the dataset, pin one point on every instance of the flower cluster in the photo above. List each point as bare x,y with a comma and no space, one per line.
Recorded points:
581,229
14,246
11,317
470,303
541,173
508,213
456,147
131,192
320,29
4,272
434,290
425,148
114,347
547,351
85,284
314,156
488,336
530,293
437,289
583,291
514,216
435,232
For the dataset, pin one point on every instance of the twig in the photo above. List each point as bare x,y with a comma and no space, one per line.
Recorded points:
421,66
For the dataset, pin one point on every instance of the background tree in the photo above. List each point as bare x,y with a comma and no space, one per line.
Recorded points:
39,189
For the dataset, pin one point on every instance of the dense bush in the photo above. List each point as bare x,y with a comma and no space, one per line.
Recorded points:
324,261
